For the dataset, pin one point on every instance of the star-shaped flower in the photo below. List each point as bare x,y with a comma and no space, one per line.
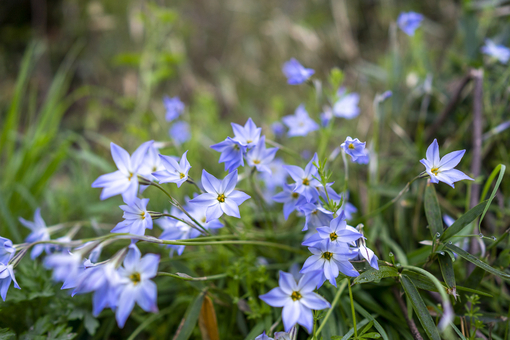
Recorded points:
295,72
175,172
300,124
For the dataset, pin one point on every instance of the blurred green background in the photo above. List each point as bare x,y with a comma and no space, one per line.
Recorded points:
77,74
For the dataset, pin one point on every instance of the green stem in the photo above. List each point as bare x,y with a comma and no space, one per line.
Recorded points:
352,309
284,149
333,305
204,278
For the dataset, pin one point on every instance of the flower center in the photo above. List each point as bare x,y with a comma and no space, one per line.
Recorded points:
203,219
236,147
296,295
435,171
143,215
130,176
182,175
295,195
135,278
249,141
327,255
333,236
256,161
351,146
306,181
221,198
154,169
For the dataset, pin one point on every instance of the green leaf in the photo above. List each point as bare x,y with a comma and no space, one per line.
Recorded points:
91,324
446,264
433,212
501,168
420,308
7,334
372,335
351,331
190,318
377,325
259,328
464,220
467,256
373,275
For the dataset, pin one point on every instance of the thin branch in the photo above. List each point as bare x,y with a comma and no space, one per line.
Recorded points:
410,322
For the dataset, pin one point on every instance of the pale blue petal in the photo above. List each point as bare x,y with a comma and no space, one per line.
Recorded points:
210,183
121,158
451,160
276,297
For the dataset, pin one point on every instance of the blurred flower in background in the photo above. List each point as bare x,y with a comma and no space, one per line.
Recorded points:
500,52
174,108
409,22
295,72
179,132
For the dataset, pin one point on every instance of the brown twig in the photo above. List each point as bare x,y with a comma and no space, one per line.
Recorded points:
449,107
410,322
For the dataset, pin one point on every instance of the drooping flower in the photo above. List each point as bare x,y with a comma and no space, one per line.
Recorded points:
278,129
175,172
442,170
284,335
124,181
500,52
39,233
136,218
354,148
232,153
295,72
316,215
297,299
6,276
174,107
138,272
7,251
306,184
409,22
300,124
220,196
263,336
180,231
247,135
337,232
363,252
65,265
347,104
180,132
260,157
331,258
290,199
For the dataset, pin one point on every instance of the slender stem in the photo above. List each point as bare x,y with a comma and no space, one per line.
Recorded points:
333,304
176,203
352,309
284,149
192,181
346,176
387,205
189,278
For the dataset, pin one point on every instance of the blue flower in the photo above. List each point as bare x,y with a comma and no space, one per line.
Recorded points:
306,184
354,148
337,231
137,272
125,180
220,196
7,251
174,172
278,129
136,218
248,135
263,336
443,169
409,22
260,157
6,276
295,72
347,104
300,124
174,107
331,258
278,175
290,199
316,215
151,163
65,265
179,231
326,116
180,132
232,153
297,299
364,159
500,52
39,233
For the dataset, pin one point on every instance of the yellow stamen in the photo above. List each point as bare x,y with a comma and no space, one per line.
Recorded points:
295,195
327,255
351,146
135,278
221,198
435,171
296,296
333,236
256,161
182,175
306,181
